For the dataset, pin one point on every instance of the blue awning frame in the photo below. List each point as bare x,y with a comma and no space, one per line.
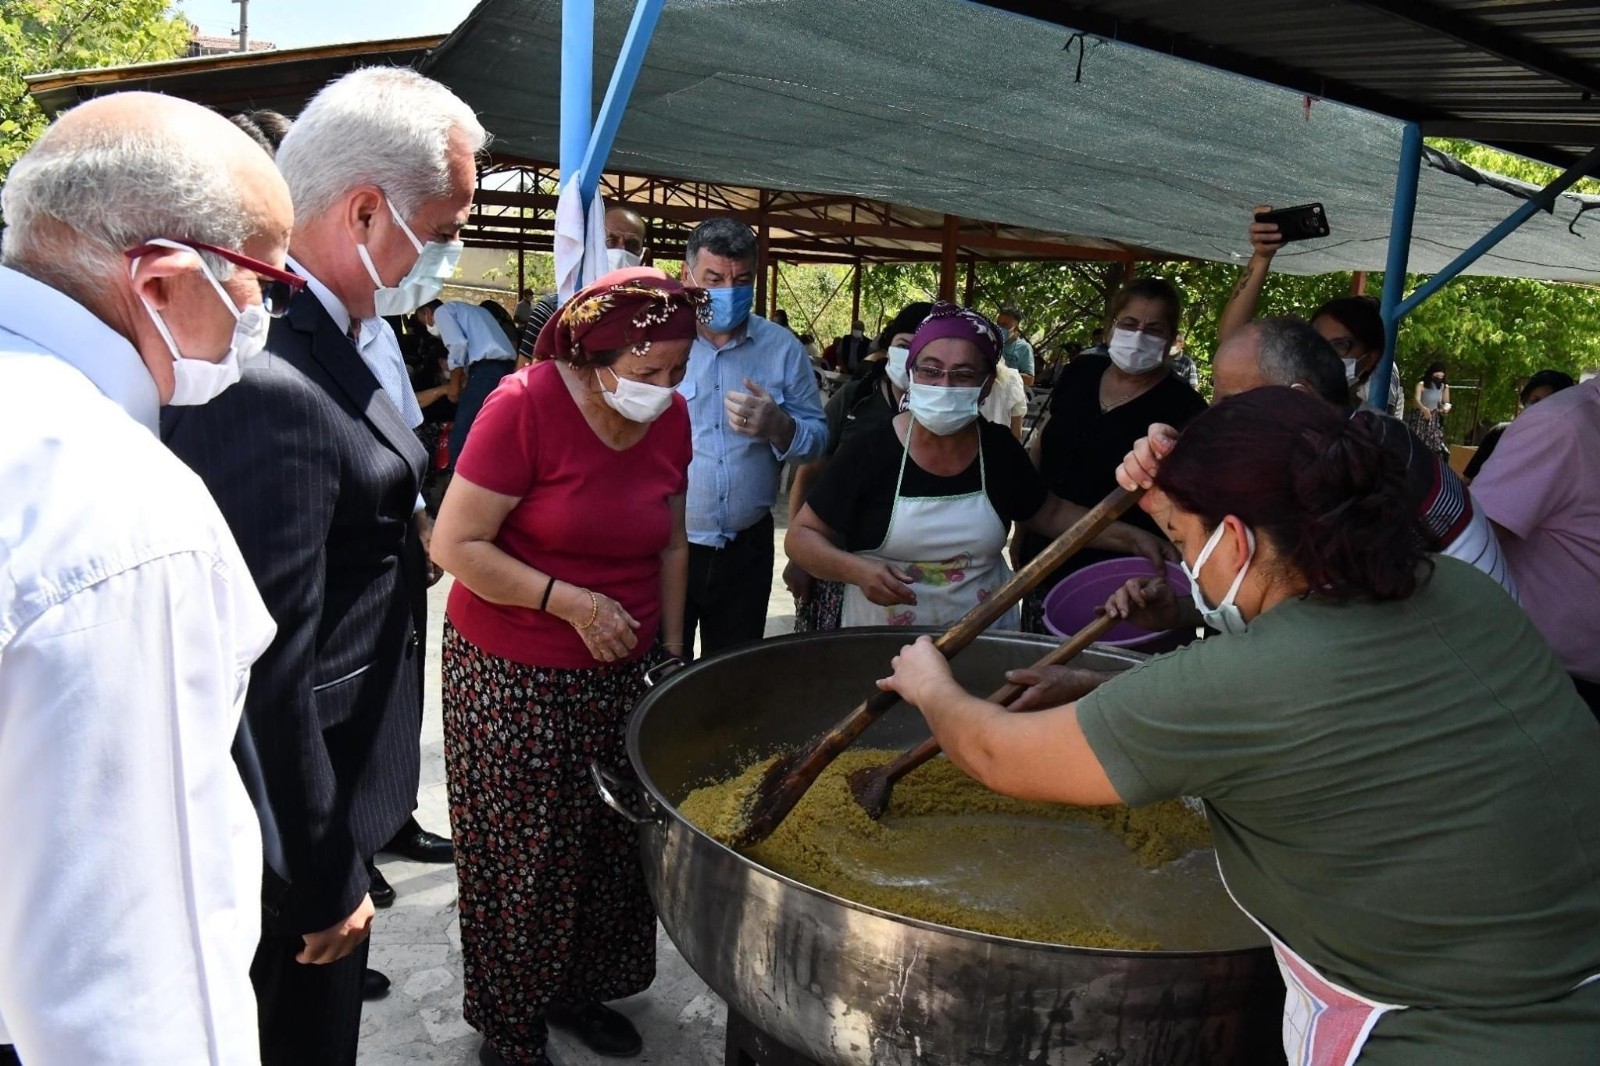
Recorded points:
586,138
586,142
1396,305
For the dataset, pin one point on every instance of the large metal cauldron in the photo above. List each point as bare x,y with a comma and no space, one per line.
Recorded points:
848,985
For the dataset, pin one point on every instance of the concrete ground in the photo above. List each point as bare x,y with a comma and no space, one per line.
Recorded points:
417,942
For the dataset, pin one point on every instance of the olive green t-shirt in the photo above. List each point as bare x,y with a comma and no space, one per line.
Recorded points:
1405,793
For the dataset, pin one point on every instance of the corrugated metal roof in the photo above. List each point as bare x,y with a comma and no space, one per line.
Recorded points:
281,79
1519,74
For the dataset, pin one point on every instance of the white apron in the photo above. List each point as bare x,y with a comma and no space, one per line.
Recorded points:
952,546
1324,1024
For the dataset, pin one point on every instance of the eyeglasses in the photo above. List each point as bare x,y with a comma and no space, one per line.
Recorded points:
1342,346
1153,329
962,377
278,287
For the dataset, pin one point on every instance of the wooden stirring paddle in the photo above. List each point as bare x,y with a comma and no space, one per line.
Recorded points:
872,785
791,777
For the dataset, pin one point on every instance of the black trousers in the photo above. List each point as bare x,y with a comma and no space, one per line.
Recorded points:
482,377
728,591
310,1015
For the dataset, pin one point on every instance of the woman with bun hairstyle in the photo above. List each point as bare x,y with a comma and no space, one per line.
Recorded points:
1398,772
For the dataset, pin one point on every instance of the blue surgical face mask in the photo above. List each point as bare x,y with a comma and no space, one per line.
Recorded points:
1225,617
730,307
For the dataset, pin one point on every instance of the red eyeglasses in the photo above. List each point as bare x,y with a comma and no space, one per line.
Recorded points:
278,287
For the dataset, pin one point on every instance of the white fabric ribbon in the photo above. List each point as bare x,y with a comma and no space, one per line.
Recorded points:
580,244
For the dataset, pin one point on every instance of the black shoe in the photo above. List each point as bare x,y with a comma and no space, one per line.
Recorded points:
381,891
417,844
374,985
602,1030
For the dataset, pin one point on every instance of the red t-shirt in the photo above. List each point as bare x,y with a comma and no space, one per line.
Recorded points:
590,516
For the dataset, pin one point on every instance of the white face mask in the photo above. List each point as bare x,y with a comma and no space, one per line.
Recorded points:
433,328
943,411
198,381
1135,352
435,265
621,259
637,401
895,365
1225,616
1350,370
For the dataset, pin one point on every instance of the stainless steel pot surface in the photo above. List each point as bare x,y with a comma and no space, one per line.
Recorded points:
848,985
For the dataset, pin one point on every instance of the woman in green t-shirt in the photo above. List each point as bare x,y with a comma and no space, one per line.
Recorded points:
1400,778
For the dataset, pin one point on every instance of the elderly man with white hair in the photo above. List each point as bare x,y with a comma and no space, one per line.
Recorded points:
143,255
315,468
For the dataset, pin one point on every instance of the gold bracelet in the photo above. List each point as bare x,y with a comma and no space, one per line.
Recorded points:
594,602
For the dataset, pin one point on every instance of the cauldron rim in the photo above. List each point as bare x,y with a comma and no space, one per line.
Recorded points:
659,800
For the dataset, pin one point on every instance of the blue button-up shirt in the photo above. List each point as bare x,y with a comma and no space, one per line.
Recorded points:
733,478
470,334
1018,355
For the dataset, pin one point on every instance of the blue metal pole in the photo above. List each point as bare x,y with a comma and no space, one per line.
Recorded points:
577,82
1394,273
623,77
1543,200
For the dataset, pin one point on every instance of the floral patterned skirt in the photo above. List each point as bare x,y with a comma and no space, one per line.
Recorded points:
551,891
1429,430
820,613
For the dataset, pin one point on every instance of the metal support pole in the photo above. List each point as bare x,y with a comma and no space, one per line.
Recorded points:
772,292
522,235
855,295
244,24
624,75
972,280
577,83
1394,273
1543,200
1358,283
947,262
763,267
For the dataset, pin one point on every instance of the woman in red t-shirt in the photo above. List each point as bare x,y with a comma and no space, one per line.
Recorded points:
564,531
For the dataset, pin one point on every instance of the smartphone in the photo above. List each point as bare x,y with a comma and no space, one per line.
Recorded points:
1303,223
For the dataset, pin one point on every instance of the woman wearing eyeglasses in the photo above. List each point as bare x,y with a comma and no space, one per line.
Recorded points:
913,516
1101,405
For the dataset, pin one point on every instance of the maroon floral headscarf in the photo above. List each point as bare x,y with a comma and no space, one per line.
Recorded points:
624,309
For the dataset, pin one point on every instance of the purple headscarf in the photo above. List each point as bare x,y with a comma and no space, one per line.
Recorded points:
962,323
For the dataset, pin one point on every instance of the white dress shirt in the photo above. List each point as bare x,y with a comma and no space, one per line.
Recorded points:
378,347
130,898
470,334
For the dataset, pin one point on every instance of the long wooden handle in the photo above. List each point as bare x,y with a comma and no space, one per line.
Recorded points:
1005,695
789,779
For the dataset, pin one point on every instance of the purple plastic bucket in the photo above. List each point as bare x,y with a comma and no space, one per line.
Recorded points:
1071,605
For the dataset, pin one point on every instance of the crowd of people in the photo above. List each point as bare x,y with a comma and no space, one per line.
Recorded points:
218,549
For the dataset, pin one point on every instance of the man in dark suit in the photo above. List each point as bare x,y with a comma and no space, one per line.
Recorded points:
317,473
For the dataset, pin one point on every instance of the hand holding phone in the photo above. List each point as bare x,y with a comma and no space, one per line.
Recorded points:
1303,223
1265,240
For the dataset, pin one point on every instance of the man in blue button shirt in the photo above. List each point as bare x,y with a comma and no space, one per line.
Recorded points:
753,406
1017,352
480,355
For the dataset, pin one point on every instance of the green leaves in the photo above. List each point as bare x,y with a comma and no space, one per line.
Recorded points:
38,36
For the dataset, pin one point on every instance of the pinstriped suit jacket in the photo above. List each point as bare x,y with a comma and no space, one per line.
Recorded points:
317,476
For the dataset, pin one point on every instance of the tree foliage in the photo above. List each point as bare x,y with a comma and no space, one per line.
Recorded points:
37,36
